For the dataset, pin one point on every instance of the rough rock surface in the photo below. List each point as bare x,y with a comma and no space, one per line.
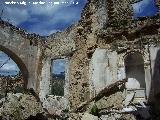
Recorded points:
56,104
88,116
115,101
20,107
111,116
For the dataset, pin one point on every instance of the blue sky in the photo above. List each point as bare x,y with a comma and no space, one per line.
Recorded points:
10,68
144,8
43,19
49,18
58,66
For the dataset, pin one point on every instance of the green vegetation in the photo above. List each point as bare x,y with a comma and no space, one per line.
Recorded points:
19,89
58,82
94,110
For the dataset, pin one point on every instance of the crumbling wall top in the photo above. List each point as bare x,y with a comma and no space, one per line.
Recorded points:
22,32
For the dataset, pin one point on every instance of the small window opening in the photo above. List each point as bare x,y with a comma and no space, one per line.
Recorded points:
58,77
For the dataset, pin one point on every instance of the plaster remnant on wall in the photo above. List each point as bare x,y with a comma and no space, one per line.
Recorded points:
45,81
102,69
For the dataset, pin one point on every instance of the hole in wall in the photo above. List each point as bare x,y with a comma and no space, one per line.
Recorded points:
58,77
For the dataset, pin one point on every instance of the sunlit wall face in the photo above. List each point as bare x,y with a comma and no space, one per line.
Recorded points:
7,66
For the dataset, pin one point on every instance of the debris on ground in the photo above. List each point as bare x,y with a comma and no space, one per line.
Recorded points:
111,103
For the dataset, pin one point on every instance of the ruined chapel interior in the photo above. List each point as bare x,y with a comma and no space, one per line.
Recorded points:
111,59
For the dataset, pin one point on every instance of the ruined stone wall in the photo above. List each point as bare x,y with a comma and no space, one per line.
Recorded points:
93,18
17,45
98,28
95,30
77,43
119,9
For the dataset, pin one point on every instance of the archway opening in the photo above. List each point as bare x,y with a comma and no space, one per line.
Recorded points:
8,68
134,68
20,73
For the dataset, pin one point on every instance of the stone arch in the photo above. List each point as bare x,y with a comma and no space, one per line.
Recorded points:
121,66
146,57
19,63
134,68
123,56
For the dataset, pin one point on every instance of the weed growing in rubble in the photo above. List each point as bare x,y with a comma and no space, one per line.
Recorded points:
94,110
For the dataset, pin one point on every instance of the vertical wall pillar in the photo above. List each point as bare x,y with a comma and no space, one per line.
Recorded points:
147,80
46,77
155,66
66,86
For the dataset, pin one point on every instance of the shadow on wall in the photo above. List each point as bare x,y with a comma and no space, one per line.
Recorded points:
19,63
155,83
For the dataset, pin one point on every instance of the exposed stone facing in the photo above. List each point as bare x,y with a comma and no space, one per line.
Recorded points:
115,100
20,50
61,43
78,86
120,9
32,37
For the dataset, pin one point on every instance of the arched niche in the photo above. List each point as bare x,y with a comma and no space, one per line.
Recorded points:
144,55
134,68
19,63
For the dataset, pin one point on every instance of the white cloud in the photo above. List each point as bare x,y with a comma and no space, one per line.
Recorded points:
43,18
9,67
2,54
42,29
58,66
65,16
53,31
48,24
16,15
47,9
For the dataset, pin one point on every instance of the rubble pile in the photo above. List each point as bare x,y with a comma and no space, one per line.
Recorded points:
117,105
19,106
108,104
27,106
